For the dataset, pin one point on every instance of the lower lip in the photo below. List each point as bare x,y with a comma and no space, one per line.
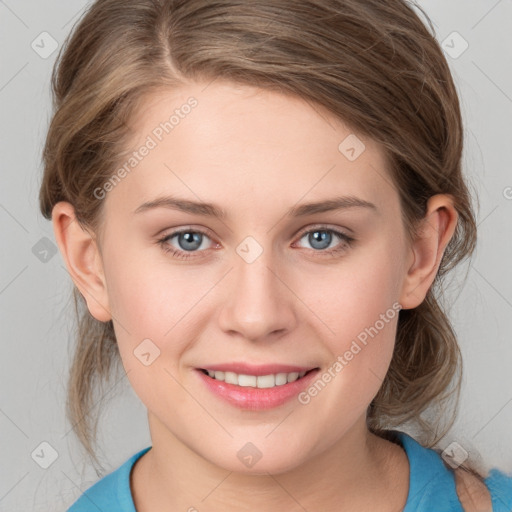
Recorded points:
256,398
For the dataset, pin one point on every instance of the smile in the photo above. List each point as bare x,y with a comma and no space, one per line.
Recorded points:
255,381
256,387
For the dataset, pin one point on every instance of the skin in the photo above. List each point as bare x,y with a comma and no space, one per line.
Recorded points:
256,154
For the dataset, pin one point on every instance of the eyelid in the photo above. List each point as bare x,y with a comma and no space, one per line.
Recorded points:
209,233
345,240
323,227
186,229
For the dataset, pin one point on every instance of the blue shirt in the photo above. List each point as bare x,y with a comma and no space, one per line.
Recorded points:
431,485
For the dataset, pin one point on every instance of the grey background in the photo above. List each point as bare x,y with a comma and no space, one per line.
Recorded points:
36,315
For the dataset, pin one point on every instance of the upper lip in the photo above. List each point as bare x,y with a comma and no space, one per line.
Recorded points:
263,369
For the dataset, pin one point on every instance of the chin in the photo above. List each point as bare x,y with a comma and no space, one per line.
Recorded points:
255,459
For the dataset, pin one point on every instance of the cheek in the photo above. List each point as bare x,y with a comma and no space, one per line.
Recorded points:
153,299
358,305
153,330
145,294
352,295
375,310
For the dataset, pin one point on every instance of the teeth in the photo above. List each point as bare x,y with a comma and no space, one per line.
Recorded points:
266,381
230,378
260,381
281,378
292,377
247,380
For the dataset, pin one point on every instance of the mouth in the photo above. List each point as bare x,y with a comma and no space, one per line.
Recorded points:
268,381
256,388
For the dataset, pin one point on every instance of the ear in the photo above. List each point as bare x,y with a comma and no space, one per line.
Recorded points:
435,231
83,259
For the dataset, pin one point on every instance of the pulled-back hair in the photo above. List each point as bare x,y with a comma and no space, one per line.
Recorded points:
374,64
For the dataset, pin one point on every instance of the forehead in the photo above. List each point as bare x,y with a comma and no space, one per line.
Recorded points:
239,145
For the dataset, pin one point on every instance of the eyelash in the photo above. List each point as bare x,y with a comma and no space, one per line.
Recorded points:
346,241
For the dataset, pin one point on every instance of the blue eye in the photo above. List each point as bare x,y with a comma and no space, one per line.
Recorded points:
188,241
191,241
321,238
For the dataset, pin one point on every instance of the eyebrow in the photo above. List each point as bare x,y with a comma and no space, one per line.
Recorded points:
211,210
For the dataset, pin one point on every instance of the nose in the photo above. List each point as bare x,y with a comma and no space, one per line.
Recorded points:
259,304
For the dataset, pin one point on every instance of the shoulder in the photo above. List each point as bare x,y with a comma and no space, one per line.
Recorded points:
105,494
100,496
493,494
435,485
112,492
474,495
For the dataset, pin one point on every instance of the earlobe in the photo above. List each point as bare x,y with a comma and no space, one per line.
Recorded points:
83,259
436,230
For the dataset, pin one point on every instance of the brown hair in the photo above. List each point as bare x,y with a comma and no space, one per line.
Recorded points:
372,63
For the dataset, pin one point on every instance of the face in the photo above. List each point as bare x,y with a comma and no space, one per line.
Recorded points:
268,289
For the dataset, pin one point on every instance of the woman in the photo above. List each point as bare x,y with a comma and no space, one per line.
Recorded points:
257,203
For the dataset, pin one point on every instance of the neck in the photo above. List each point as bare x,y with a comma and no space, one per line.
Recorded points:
358,472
